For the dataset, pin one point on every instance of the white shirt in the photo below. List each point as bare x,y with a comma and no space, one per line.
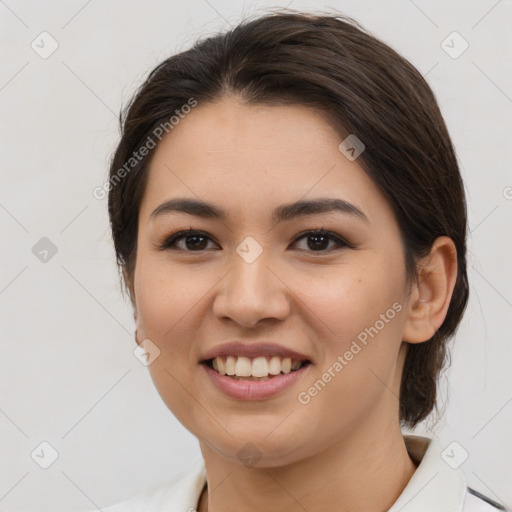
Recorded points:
434,487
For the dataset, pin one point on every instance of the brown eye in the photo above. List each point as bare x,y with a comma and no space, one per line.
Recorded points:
318,240
196,241
193,241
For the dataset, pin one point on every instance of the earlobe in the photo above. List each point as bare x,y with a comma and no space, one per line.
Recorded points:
431,294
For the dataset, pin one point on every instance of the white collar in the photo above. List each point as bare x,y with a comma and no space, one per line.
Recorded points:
434,486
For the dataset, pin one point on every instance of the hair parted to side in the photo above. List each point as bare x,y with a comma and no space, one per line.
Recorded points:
361,86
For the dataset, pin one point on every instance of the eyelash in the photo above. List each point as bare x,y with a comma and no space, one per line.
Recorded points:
170,241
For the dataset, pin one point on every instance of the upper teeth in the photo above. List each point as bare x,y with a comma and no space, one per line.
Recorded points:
257,367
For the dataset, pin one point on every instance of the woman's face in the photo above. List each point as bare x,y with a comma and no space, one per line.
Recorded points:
257,279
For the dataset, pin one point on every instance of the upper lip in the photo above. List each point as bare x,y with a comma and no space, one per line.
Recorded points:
252,349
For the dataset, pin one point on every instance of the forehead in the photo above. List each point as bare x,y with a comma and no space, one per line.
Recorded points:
254,158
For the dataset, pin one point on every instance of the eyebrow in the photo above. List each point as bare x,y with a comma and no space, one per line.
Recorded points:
282,213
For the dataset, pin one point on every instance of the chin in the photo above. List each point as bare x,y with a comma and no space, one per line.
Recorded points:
261,448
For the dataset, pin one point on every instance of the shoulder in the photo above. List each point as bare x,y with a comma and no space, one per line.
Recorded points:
477,502
177,493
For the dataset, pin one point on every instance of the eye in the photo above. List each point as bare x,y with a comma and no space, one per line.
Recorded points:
195,241
318,240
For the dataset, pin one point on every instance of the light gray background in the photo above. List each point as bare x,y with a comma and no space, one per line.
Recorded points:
68,373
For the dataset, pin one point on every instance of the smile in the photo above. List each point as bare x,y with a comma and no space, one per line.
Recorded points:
254,368
257,378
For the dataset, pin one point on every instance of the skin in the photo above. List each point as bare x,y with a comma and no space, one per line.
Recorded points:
343,449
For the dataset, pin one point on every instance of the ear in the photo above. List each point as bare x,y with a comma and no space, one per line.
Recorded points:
135,321
431,295
129,286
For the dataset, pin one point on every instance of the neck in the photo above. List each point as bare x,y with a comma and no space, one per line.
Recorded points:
365,472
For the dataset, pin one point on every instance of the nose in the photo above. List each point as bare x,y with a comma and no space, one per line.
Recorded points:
252,292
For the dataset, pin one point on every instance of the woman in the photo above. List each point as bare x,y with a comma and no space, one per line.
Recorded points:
290,223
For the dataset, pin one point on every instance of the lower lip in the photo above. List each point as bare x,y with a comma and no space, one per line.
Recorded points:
254,389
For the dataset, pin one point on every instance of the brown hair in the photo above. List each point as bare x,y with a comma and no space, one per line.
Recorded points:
363,87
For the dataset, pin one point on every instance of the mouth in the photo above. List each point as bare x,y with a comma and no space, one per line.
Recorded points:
254,378
258,368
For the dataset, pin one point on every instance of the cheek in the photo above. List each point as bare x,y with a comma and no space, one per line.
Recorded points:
345,301
357,317
167,303
164,298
